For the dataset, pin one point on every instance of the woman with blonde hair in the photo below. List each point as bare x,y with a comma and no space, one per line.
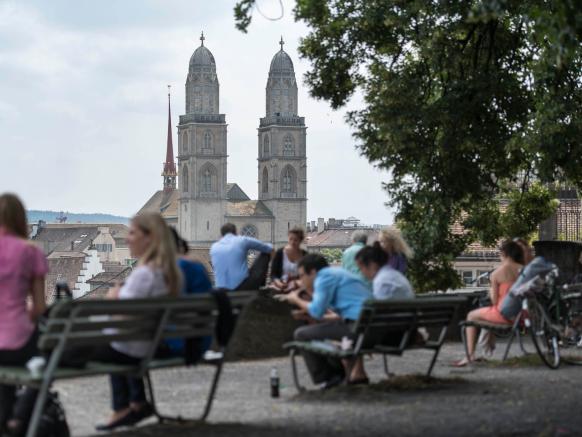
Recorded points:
157,274
396,248
22,272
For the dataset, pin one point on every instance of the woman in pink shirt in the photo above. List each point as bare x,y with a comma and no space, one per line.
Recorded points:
22,271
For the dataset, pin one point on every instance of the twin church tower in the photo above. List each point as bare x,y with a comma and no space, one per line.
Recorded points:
204,199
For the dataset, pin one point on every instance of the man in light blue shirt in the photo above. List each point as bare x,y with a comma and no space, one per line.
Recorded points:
229,260
359,240
333,289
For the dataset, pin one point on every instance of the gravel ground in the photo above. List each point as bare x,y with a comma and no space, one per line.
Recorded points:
517,399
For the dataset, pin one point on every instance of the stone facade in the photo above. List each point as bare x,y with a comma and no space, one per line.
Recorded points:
205,199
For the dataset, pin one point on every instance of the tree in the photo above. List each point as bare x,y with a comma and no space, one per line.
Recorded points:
467,104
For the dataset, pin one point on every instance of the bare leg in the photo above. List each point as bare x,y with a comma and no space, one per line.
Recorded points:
358,371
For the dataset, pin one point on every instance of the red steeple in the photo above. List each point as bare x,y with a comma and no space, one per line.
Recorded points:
169,174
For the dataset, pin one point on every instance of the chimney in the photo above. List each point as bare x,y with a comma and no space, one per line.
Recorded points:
320,225
312,225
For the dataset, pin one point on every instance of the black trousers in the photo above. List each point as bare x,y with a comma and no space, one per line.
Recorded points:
257,273
124,389
322,368
9,408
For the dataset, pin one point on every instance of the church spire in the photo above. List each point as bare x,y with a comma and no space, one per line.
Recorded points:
169,173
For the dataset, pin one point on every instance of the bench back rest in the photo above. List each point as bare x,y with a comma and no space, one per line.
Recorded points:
96,322
383,322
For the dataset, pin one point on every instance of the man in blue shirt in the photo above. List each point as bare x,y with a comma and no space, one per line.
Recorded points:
338,296
229,260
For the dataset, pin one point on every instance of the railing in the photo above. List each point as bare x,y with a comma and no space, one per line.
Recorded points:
202,118
284,120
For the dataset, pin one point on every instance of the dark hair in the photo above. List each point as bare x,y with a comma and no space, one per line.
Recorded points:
298,232
512,250
312,261
181,244
372,254
13,215
228,228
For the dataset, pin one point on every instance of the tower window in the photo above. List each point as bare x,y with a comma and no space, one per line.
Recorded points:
207,142
185,145
207,181
185,178
265,181
288,146
288,180
266,146
249,231
207,225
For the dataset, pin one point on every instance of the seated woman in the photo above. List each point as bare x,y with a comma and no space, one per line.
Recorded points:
396,248
284,273
501,281
387,283
156,274
22,271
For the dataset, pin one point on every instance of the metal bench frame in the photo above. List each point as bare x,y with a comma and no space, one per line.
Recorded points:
511,331
97,322
380,318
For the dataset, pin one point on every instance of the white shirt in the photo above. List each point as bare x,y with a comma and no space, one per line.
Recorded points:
391,284
144,281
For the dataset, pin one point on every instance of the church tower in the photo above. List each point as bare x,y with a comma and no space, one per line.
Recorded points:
169,170
282,149
202,153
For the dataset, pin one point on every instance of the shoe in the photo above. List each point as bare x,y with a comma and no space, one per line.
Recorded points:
461,363
143,413
126,420
332,382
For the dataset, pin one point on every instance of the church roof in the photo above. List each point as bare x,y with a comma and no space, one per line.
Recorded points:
281,63
202,57
164,202
248,208
234,193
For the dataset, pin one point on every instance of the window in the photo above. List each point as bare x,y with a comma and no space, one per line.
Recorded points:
249,231
288,146
207,142
185,146
483,276
207,181
266,146
467,276
185,178
104,247
288,181
207,225
265,181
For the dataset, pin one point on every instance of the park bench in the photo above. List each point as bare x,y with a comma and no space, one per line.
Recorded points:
503,331
379,322
78,324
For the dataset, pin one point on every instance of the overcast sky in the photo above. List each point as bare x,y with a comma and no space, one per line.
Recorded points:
83,104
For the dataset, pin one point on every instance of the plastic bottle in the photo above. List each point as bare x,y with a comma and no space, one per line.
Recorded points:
274,383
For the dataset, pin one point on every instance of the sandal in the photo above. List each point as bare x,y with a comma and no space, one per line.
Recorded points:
462,362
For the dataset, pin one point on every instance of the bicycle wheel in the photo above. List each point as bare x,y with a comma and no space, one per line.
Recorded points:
544,337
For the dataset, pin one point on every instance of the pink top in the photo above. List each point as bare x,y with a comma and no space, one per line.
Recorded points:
20,262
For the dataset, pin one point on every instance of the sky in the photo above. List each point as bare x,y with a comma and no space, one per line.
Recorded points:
83,104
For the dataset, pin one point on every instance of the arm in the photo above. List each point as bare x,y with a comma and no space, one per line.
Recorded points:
38,302
254,244
494,290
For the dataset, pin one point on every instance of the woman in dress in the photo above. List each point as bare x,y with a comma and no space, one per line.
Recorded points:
23,268
284,273
502,279
157,274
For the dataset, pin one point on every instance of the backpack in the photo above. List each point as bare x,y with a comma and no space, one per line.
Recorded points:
53,422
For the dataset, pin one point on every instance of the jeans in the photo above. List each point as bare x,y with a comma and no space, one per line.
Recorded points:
9,407
257,273
124,389
322,368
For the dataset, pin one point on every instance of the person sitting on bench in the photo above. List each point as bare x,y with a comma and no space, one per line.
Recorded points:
22,272
344,293
284,266
387,282
501,281
229,260
156,274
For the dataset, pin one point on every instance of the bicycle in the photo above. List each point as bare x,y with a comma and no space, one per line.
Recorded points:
551,315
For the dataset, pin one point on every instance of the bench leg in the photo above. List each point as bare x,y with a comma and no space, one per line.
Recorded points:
433,361
292,355
464,338
514,333
212,391
38,409
386,370
150,390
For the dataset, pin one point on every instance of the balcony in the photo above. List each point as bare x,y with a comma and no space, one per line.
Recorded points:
202,118
282,120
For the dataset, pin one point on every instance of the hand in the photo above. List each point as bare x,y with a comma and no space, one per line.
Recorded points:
292,297
300,315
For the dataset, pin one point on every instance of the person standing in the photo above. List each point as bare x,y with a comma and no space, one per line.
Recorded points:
359,240
23,268
396,248
229,261
335,289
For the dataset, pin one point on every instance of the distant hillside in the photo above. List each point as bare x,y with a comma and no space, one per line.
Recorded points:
51,217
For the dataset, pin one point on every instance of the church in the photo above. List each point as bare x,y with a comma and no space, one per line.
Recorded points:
204,199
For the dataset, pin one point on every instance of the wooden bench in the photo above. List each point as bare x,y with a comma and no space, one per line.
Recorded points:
380,321
87,323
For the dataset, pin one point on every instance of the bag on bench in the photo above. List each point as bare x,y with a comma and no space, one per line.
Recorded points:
53,422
